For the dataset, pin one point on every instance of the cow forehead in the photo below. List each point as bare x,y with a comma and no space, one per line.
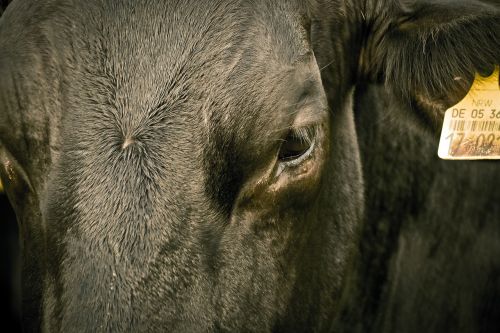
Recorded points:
178,54
160,41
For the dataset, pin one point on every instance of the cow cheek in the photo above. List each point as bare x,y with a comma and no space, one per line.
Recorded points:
262,248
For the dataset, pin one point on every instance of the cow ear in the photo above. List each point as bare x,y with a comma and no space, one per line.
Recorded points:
433,48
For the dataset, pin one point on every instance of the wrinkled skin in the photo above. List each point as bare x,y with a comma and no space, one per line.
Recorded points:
141,149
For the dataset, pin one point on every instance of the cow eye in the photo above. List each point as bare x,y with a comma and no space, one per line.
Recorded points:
297,145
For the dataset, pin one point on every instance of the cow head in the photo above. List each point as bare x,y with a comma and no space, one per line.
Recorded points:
193,166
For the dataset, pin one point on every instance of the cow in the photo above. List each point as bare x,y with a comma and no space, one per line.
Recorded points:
247,166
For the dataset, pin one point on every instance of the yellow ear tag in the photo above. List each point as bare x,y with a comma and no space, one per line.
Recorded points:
471,129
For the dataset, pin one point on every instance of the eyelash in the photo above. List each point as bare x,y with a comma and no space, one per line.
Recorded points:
305,134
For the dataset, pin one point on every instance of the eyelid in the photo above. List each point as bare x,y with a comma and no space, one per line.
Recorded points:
306,133
309,115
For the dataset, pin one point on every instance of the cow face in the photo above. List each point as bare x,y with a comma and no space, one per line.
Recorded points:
189,184
192,166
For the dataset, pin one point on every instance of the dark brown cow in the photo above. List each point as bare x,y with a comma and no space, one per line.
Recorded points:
240,166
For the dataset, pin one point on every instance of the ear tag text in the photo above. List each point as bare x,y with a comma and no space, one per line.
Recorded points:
471,129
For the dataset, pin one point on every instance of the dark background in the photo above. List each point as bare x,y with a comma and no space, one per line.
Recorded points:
9,257
9,267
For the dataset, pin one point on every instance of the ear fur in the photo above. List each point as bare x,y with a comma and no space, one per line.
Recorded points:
433,48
